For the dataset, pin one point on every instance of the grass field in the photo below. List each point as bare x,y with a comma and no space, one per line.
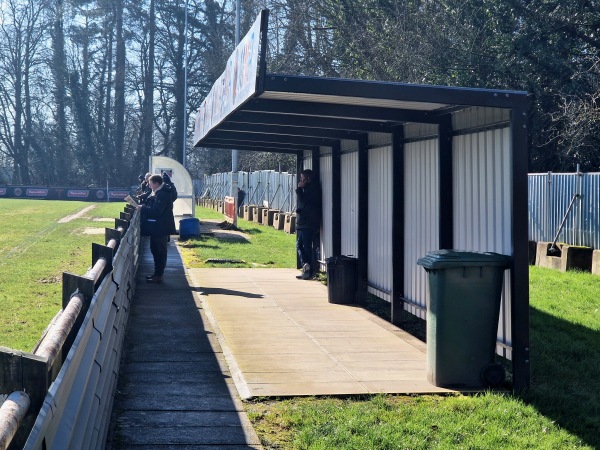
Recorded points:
559,411
35,249
265,246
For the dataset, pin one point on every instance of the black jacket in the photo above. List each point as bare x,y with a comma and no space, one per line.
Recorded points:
168,182
145,192
308,210
157,213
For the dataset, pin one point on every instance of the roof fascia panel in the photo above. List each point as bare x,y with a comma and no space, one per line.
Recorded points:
394,91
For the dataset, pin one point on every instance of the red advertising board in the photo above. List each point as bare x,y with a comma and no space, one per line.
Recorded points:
229,208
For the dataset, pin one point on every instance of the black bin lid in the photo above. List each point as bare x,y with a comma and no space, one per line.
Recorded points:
445,259
340,259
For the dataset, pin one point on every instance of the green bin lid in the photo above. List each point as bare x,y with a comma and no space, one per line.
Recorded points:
444,259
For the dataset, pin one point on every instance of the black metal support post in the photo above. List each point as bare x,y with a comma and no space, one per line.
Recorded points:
397,225
520,270
363,218
446,218
336,200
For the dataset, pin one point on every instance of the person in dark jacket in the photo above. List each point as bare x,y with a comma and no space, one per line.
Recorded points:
158,223
308,221
167,180
144,189
241,196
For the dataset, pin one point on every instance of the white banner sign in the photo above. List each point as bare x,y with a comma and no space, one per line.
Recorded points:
235,85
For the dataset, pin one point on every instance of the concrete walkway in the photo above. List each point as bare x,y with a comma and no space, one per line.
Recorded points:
174,388
281,337
207,338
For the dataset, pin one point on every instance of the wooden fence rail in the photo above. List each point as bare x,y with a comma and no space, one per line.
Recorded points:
39,388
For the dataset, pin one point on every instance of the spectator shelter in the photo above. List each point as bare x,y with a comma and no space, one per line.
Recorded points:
405,169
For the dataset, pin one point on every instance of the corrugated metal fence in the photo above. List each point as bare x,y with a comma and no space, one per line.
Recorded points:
275,188
549,197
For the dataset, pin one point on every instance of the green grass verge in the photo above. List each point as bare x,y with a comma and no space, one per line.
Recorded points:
487,421
35,249
265,247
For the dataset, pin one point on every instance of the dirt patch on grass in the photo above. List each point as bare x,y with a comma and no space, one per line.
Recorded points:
51,280
77,215
93,230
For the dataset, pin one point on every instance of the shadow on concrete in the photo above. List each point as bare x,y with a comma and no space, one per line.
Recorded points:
221,291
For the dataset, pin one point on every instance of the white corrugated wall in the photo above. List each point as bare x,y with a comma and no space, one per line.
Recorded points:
349,201
325,178
307,159
381,195
482,202
421,225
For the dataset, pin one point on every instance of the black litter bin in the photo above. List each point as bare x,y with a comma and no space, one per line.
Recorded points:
465,290
342,279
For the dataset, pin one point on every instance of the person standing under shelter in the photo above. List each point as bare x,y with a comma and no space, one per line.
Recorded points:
308,221
241,196
157,221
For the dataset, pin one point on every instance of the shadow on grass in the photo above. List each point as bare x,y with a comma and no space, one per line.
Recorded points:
200,242
251,231
565,375
565,381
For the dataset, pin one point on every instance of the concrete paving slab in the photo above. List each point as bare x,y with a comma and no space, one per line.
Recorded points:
289,341
296,376
372,358
301,389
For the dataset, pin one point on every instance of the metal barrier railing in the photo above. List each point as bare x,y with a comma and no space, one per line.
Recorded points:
29,377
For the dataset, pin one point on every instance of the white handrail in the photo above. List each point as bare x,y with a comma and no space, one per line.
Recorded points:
12,412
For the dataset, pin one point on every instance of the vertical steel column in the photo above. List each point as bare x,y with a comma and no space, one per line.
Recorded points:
446,211
336,199
299,168
520,270
397,303
363,218
316,168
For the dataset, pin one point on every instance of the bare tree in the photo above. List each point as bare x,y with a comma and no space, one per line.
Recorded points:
58,67
22,29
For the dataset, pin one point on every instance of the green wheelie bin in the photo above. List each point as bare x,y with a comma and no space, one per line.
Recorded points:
465,290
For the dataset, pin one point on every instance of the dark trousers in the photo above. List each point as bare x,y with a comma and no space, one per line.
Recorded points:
304,246
158,247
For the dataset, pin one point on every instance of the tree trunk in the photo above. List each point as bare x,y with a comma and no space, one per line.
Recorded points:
119,93
59,70
148,105
180,127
